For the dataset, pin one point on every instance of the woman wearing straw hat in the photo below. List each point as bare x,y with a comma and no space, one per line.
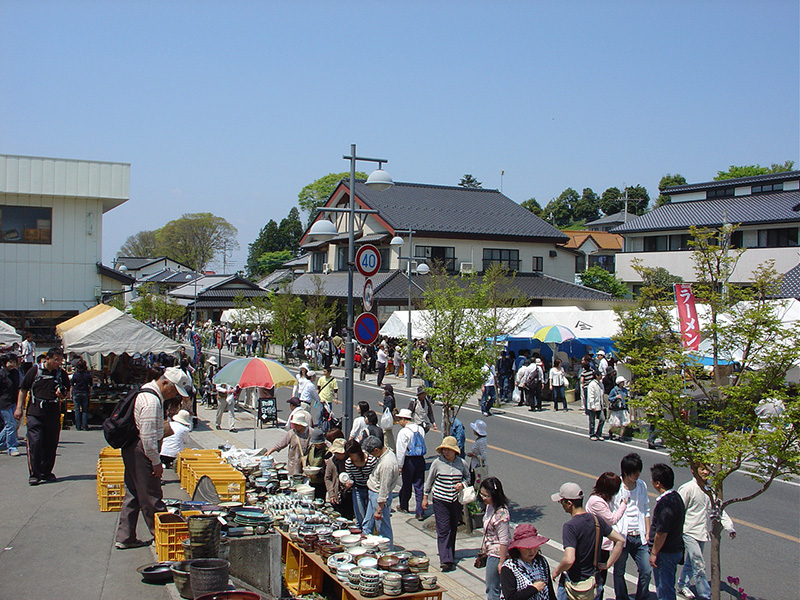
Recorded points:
340,497
181,425
447,477
525,575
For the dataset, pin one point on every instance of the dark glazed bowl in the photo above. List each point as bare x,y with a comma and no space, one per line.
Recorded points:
156,573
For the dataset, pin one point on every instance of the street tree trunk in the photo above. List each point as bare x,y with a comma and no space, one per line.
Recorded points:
715,574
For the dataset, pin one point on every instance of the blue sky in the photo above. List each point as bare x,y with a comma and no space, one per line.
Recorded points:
232,107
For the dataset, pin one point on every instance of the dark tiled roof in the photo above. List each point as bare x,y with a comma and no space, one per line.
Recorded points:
433,209
618,217
113,274
747,210
739,181
790,285
372,238
274,278
232,293
135,263
300,261
334,284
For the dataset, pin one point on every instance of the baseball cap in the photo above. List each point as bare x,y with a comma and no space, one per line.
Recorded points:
568,491
294,401
179,378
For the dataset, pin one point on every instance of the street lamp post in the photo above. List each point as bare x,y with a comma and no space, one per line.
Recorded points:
324,229
421,269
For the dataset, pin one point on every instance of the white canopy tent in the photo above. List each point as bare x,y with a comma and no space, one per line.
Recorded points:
8,335
106,330
245,315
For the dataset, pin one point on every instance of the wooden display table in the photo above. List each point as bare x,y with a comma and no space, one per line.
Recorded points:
307,572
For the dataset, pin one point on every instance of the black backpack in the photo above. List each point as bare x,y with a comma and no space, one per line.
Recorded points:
120,428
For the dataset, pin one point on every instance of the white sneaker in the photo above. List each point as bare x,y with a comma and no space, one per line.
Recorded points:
13,452
686,592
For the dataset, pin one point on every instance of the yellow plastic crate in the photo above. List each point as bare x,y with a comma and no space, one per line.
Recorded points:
108,451
190,454
227,481
170,531
203,463
110,493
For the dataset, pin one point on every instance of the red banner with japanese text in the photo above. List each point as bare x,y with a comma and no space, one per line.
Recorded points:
687,315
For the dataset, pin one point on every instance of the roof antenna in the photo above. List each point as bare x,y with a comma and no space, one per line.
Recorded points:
502,173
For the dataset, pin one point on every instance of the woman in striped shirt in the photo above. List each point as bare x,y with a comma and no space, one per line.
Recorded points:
359,467
447,477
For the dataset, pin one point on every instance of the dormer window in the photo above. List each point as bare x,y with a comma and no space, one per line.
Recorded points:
770,187
727,192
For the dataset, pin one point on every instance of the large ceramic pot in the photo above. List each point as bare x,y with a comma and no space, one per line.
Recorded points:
208,575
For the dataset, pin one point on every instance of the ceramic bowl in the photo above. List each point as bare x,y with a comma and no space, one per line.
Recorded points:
350,540
368,562
357,551
340,533
388,561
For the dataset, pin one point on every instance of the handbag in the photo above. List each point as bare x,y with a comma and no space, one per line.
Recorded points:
480,560
585,590
467,495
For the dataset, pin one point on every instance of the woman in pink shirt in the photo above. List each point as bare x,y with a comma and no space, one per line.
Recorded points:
497,534
605,489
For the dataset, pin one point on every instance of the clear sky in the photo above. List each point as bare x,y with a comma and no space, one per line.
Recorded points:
232,107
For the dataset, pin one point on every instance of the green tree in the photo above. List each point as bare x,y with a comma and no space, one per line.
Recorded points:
316,193
657,278
714,423
271,261
274,245
533,205
559,210
610,202
142,244
196,239
751,170
586,208
262,244
468,181
598,278
638,199
289,233
668,180
460,317
320,312
288,316
149,306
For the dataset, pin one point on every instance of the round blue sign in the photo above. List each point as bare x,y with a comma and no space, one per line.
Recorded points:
366,328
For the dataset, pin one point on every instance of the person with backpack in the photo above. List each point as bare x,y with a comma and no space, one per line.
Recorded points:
411,452
142,459
534,376
422,409
48,385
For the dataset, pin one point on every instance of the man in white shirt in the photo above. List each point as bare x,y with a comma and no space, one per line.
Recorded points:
488,390
634,527
380,363
143,468
412,467
380,484
519,380
602,362
695,534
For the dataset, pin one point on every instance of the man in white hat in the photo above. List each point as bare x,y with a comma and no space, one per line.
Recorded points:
411,461
602,362
297,439
142,460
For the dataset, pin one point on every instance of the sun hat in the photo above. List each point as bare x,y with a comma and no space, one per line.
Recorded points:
479,427
183,417
311,373
568,491
449,443
601,353
620,379
420,390
404,413
294,401
317,436
538,361
212,360
179,378
337,447
526,536
299,419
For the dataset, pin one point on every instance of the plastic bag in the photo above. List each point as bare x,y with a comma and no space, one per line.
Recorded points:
387,419
516,395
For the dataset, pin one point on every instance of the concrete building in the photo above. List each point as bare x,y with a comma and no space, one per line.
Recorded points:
51,232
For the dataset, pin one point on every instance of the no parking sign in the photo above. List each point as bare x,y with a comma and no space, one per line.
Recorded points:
366,328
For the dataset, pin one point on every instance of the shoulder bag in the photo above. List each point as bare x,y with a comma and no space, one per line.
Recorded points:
585,590
480,560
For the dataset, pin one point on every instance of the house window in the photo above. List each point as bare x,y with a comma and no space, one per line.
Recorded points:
777,238
341,258
26,224
442,255
679,241
737,239
721,192
318,261
769,187
655,243
385,256
538,264
507,258
580,263
604,261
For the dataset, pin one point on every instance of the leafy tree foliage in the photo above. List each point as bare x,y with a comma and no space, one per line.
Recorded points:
751,170
274,242
613,200
657,278
288,316
271,261
598,278
638,199
586,207
668,180
142,244
154,306
462,313
610,202
533,205
714,423
196,238
468,181
316,193
320,313
559,210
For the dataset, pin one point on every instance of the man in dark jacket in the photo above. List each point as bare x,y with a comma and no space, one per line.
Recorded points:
666,531
9,395
48,385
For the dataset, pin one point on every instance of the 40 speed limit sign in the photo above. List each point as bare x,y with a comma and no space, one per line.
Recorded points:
368,260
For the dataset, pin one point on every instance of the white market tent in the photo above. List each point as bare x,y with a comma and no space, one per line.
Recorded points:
8,335
106,330
245,315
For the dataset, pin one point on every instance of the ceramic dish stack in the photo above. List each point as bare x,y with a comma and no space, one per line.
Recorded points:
428,581
354,577
370,583
419,564
340,558
251,518
392,584
343,572
410,583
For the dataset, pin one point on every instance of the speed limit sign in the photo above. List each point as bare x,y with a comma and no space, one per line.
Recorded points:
368,260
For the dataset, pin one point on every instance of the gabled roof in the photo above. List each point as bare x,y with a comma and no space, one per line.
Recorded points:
213,282
790,284
738,181
275,278
452,210
136,263
604,240
778,207
617,217
170,276
114,274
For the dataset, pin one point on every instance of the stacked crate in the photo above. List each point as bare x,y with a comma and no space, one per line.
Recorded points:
229,483
110,480
171,530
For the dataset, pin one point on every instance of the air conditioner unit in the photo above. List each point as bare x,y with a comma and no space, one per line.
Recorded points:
466,267
98,292
326,268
